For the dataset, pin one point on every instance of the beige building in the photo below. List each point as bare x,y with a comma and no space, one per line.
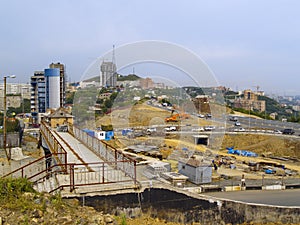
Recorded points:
250,102
60,117
146,83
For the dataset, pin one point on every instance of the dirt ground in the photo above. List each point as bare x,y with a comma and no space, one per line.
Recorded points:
264,144
144,115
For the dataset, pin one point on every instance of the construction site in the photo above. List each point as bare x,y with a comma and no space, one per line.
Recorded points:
156,134
166,152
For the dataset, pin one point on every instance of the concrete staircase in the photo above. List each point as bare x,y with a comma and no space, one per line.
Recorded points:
47,185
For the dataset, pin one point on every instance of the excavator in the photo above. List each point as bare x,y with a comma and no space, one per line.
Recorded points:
176,117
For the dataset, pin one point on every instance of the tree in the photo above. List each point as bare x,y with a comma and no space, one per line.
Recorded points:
108,103
70,97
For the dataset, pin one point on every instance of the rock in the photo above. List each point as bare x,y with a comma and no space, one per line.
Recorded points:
37,201
82,221
28,195
72,202
65,220
36,213
50,210
98,219
108,219
34,221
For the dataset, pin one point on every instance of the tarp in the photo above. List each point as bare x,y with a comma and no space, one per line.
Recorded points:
89,132
269,171
231,150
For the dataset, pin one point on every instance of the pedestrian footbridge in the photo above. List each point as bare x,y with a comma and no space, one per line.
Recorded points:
76,163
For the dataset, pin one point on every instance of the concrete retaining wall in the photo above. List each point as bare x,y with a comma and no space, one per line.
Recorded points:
12,139
273,187
192,208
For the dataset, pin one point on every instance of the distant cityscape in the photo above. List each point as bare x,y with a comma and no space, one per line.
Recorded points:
48,88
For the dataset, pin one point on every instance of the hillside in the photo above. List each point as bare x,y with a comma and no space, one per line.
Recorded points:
275,145
129,77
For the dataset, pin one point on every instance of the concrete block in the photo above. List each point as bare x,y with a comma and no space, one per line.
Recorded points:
232,188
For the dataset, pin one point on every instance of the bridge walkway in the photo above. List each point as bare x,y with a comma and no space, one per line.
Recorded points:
88,171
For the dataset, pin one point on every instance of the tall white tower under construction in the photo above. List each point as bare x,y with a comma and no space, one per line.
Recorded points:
108,77
52,78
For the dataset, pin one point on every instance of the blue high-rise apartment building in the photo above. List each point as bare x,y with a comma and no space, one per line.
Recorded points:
38,93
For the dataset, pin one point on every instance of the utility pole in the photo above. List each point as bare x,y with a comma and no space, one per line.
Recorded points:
4,118
4,121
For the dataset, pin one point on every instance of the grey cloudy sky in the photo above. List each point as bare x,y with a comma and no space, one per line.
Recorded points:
245,43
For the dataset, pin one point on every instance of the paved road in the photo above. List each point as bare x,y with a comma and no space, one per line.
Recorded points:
248,122
289,197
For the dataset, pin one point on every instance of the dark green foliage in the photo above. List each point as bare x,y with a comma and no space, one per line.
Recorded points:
20,109
106,127
272,105
11,193
130,77
104,90
108,103
231,93
99,101
254,113
14,186
295,118
18,194
70,97
165,101
12,125
113,96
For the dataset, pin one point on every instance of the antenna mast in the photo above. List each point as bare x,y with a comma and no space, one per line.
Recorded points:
113,55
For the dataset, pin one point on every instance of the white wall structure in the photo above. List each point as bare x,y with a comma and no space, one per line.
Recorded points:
52,77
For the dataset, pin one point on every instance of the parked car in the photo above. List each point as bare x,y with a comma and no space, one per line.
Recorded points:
233,118
240,129
170,129
208,115
237,123
199,129
288,131
209,128
200,115
277,132
151,130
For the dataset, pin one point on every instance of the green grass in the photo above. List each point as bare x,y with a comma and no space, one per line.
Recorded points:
19,194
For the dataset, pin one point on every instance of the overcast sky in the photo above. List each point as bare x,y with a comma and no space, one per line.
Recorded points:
245,43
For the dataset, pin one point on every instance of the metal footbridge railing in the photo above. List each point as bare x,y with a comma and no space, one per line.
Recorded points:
79,163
